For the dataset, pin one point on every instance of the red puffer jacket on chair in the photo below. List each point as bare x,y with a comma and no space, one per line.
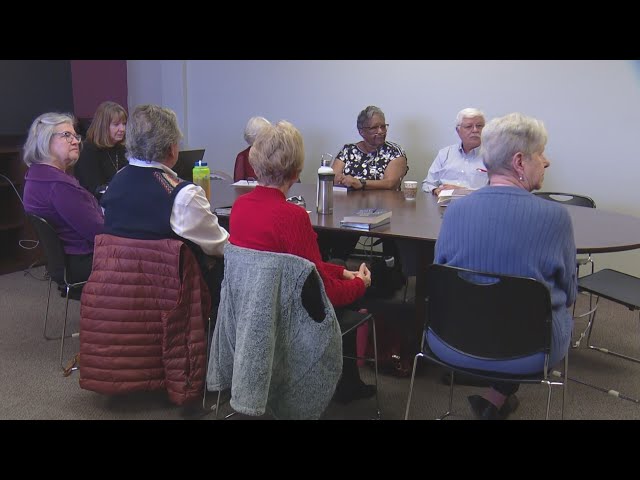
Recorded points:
142,319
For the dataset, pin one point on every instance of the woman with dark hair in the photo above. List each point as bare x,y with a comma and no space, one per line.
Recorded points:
103,153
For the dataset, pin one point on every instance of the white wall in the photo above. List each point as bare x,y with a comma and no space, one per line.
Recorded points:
590,109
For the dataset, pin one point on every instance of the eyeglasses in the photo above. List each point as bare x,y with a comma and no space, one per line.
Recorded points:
376,128
68,136
468,128
297,200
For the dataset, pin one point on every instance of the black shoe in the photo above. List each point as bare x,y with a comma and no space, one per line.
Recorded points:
483,409
511,404
348,393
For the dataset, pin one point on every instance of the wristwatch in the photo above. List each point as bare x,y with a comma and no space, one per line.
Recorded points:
363,182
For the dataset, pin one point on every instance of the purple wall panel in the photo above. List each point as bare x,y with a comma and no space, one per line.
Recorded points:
95,81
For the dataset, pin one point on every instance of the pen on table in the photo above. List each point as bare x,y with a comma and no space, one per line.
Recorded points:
481,170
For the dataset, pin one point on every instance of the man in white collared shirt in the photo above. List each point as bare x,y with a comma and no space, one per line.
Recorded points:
459,165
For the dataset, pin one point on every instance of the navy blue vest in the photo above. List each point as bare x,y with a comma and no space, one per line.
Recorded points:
138,203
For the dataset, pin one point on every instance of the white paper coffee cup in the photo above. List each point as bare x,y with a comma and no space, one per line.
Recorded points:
410,189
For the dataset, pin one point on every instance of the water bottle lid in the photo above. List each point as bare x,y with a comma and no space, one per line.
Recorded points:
200,163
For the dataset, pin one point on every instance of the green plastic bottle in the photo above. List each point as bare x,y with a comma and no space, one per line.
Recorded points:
202,177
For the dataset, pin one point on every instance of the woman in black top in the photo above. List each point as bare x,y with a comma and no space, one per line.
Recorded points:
103,153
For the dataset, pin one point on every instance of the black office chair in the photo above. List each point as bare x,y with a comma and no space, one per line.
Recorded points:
57,269
617,287
568,198
581,260
508,317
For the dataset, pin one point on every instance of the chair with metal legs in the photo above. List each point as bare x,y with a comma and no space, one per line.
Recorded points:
488,316
277,341
581,260
617,287
57,268
348,321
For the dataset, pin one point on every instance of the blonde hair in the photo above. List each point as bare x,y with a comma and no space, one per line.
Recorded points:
99,131
277,155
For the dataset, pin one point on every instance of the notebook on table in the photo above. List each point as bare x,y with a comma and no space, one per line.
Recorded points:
186,160
367,219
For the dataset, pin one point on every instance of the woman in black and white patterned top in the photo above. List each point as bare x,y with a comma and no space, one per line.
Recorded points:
373,163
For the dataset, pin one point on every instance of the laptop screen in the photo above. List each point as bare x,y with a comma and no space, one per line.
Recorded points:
186,160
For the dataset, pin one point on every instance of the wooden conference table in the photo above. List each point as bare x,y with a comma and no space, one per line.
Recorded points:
419,220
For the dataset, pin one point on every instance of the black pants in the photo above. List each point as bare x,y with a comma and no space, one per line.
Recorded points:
79,267
339,245
506,389
350,371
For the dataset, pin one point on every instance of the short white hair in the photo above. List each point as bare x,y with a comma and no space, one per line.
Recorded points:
468,113
503,137
254,125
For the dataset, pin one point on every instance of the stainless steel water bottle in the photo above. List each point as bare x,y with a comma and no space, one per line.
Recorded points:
326,175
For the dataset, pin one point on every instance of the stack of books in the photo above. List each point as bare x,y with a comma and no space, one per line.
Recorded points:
367,218
447,196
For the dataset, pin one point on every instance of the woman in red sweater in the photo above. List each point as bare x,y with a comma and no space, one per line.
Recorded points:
264,220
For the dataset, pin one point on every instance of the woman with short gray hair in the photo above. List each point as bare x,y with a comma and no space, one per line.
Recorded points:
372,163
243,169
148,201
51,149
502,228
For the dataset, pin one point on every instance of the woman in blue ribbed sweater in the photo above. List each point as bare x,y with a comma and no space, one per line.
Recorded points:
503,228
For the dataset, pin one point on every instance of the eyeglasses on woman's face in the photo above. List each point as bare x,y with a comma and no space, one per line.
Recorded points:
375,128
69,137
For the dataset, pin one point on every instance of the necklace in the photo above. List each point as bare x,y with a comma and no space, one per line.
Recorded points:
115,164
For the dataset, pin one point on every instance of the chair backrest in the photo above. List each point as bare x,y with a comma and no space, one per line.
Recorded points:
277,351
568,198
53,249
488,315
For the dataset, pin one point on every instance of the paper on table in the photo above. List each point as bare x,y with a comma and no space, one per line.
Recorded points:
445,193
445,196
340,188
224,211
245,183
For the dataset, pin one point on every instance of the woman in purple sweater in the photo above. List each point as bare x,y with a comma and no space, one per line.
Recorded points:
503,228
52,147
